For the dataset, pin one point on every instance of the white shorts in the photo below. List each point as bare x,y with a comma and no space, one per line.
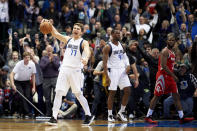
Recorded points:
119,78
69,77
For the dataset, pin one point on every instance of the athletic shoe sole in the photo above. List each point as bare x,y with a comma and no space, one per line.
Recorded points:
50,124
121,118
91,121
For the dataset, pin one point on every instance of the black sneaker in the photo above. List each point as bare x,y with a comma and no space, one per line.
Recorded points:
52,122
88,120
111,118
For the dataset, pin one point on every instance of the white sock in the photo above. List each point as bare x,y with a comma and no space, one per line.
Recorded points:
180,114
122,108
150,112
84,103
57,104
109,112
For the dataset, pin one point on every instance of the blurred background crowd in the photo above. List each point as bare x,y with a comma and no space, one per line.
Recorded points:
144,25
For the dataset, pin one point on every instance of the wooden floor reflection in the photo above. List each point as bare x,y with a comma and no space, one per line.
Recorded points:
75,125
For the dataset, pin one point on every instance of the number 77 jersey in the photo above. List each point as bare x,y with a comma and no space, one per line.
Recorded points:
73,53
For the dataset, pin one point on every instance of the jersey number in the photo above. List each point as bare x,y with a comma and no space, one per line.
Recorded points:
73,52
120,56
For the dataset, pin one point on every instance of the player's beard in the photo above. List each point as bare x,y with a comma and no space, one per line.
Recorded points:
170,46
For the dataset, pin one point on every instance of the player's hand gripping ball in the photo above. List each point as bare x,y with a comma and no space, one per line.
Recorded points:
45,27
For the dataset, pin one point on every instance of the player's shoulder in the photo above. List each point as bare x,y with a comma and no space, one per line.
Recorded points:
84,41
165,51
107,47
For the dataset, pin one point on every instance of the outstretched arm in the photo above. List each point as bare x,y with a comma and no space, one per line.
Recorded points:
56,34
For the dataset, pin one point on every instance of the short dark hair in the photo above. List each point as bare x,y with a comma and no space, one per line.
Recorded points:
113,30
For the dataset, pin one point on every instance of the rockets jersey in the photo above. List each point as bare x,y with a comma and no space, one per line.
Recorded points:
115,60
73,53
170,62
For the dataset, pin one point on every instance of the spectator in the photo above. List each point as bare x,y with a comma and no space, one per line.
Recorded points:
52,13
67,16
107,36
80,13
98,29
5,71
69,106
49,65
136,109
7,98
38,80
91,10
17,16
126,35
4,19
13,60
20,77
100,90
141,23
98,52
32,13
116,21
187,87
15,42
133,52
152,60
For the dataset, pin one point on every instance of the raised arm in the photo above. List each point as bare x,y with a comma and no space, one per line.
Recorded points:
59,36
56,34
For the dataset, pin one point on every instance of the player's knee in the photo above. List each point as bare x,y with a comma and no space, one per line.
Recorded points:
127,91
112,93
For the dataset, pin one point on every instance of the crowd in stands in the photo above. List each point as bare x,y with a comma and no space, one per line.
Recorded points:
144,25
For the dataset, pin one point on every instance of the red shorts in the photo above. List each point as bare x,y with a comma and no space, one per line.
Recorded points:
165,84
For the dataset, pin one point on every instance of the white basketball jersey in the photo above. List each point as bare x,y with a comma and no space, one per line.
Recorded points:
116,58
72,55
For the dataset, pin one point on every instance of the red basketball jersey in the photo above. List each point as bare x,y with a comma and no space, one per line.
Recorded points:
165,83
170,62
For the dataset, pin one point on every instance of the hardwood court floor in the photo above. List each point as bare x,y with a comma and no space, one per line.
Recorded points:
75,125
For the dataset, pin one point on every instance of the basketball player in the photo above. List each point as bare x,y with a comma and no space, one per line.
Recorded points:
166,81
70,74
116,68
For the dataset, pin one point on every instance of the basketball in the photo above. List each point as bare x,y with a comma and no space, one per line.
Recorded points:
45,27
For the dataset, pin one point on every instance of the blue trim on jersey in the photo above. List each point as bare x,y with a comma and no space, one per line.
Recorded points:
110,52
67,43
81,50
